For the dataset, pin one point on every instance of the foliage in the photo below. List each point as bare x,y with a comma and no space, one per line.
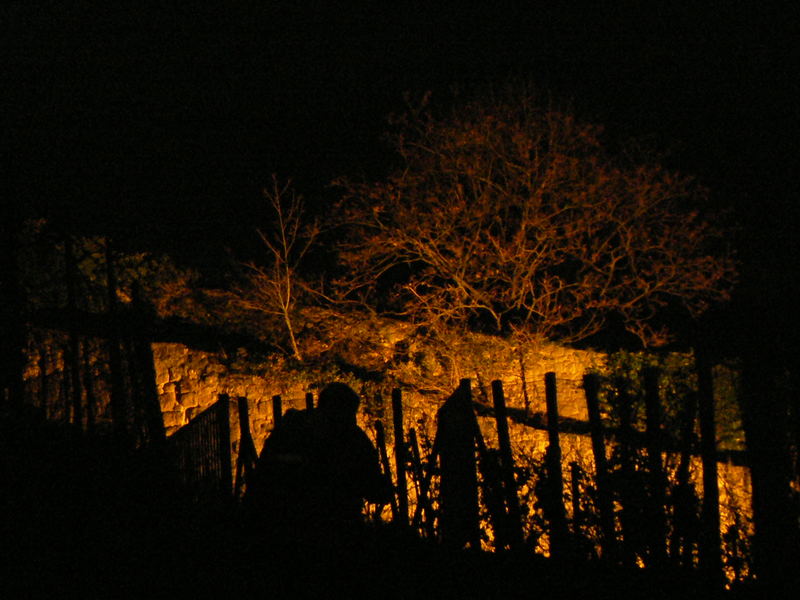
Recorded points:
171,289
510,216
629,468
677,381
677,384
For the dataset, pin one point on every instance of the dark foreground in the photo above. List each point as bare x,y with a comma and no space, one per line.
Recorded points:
80,520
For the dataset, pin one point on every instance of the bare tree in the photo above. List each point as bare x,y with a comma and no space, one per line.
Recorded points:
274,289
513,217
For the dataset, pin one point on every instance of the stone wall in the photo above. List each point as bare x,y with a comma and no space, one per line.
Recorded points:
189,381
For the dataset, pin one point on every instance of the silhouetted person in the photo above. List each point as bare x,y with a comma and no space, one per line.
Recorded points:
315,471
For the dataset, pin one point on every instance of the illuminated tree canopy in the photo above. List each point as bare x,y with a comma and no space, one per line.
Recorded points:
513,217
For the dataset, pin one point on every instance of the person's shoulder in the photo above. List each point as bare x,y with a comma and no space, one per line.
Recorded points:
295,418
357,437
293,430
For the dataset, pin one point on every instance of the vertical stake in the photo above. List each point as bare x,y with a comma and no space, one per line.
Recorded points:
247,458
515,536
591,387
559,535
710,551
400,457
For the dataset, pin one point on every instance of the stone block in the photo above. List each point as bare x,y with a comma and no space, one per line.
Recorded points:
189,400
168,403
162,375
174,418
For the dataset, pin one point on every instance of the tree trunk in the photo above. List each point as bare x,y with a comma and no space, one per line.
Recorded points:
119,416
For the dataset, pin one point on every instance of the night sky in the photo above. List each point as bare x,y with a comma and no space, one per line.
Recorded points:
160,125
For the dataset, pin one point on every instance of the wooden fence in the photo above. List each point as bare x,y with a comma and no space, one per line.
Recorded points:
626,511
202,454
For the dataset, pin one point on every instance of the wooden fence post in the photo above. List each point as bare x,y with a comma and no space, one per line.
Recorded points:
710,551
400,458
605,504
458,488
658,497
309,401
559,534
514,518
247,458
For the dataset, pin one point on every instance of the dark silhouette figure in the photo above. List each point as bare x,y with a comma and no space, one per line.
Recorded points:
315,472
